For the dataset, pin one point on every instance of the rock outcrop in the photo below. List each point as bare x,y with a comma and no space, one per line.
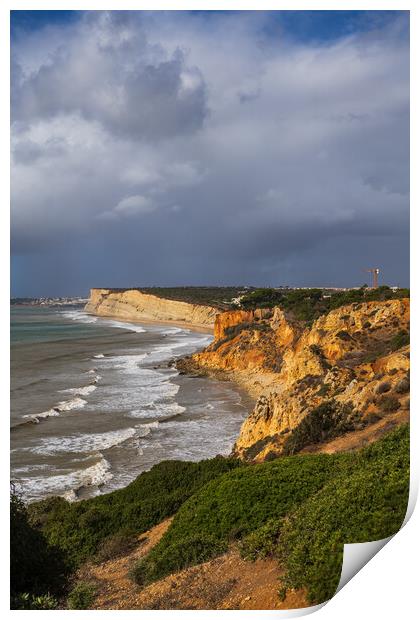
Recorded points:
348,370
134,305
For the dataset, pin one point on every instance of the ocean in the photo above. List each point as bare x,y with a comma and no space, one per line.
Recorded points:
94,402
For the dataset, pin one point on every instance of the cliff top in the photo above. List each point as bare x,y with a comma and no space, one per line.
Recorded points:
303,304
220,297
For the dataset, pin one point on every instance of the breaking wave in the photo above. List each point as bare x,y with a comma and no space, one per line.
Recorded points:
68,484
64,405
94,442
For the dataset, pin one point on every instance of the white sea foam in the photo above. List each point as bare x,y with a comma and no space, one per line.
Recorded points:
182,346
132,327
79,315
89,442
127,363
81,391
67,484
74,403
64,405
158,410
37,417
99,356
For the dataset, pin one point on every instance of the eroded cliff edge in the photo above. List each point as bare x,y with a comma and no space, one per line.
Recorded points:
135,305
345,376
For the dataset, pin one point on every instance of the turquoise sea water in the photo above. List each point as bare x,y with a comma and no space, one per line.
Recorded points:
94,402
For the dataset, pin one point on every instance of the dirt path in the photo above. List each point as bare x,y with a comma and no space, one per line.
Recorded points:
226,582
114,587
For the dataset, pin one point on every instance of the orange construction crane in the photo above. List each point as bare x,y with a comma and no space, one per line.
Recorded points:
375,272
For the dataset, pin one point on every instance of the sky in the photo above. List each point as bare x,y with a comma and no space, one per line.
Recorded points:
208,148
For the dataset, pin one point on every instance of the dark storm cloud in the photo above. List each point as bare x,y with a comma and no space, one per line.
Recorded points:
155,148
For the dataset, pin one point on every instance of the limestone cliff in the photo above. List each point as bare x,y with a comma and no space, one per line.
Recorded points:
134,305
347,371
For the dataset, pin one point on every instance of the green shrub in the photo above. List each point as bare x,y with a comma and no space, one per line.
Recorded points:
383,387
82,595
388,404
343,335
368,503
80,528
324,422
37,568
179,554
324,389
403,386
308,304
31,601
114,546
401,339
262,542
236,504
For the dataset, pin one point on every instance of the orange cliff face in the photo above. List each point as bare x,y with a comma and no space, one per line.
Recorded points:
347,357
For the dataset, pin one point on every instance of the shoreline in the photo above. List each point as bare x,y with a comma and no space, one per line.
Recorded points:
202,329
244,400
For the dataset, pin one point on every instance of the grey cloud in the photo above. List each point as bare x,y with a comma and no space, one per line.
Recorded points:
111,75
305,184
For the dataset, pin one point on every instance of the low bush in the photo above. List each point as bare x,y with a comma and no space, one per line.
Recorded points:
308,304
326,421
178,554
79,529
38,569
324,389
401,339
383,387
343,335
262,542
388,404
301,509
233,506
114,546
403,386
31,601
82,595
368,503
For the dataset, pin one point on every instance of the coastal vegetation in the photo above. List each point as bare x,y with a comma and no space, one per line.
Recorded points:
309,304
300,509
38,569
305,304
83,529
